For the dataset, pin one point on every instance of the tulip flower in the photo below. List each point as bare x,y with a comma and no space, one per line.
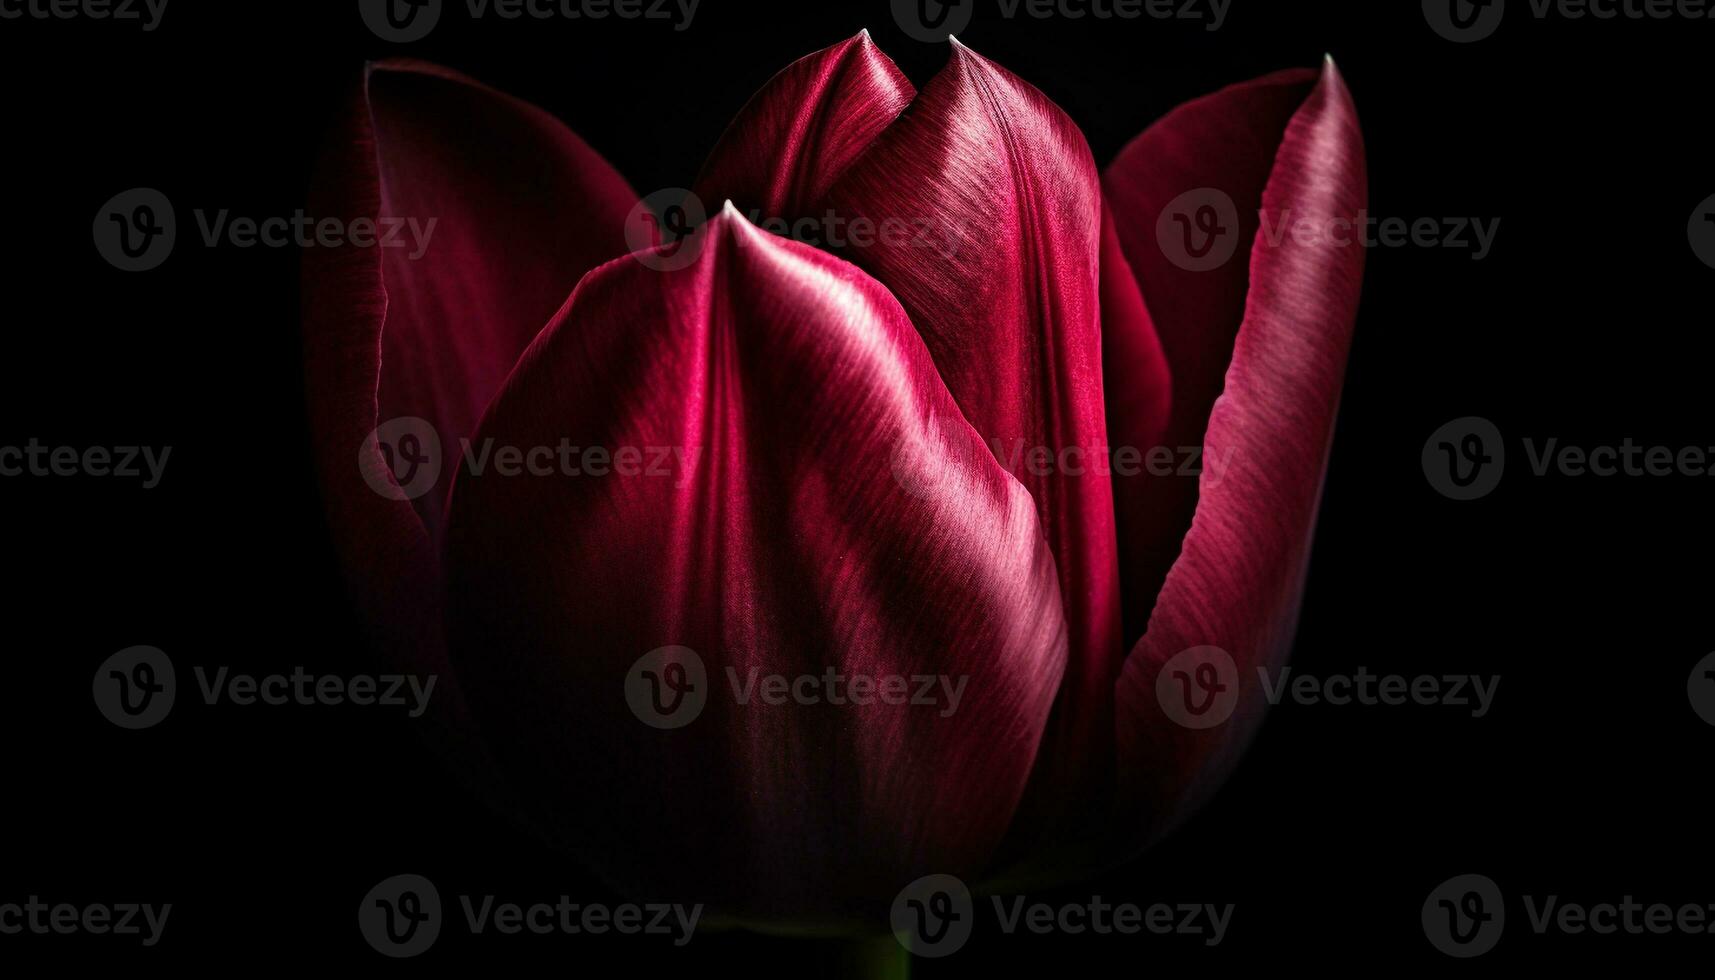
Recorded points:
894,458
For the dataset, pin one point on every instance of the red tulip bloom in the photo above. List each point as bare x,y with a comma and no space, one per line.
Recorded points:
895,457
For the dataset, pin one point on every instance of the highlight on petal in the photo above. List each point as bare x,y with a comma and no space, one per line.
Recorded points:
501,210
803,129
1190,696
741,469
1001,184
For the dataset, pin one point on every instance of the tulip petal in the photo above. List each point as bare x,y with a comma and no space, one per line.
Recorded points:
804,129
996,208
1237,582
825,507
1139,388
1217,148
521,209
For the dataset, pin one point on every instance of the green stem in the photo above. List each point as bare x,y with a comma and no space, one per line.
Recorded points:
831,958
866,959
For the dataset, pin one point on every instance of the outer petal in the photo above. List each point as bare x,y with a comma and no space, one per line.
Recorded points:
521,209
1218,147
999,271
827,509
804,129
1237,583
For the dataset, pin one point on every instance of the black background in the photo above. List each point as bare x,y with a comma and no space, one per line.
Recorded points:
265,826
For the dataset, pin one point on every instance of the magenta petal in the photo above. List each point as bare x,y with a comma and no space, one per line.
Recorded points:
825,507
521,209
1139,389
999,271
804,129
1237,582
1222,144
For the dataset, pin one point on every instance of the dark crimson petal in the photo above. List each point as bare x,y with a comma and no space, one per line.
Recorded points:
804,129
1237,582
999,269
522,208
1140,397
829,509
1222,144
